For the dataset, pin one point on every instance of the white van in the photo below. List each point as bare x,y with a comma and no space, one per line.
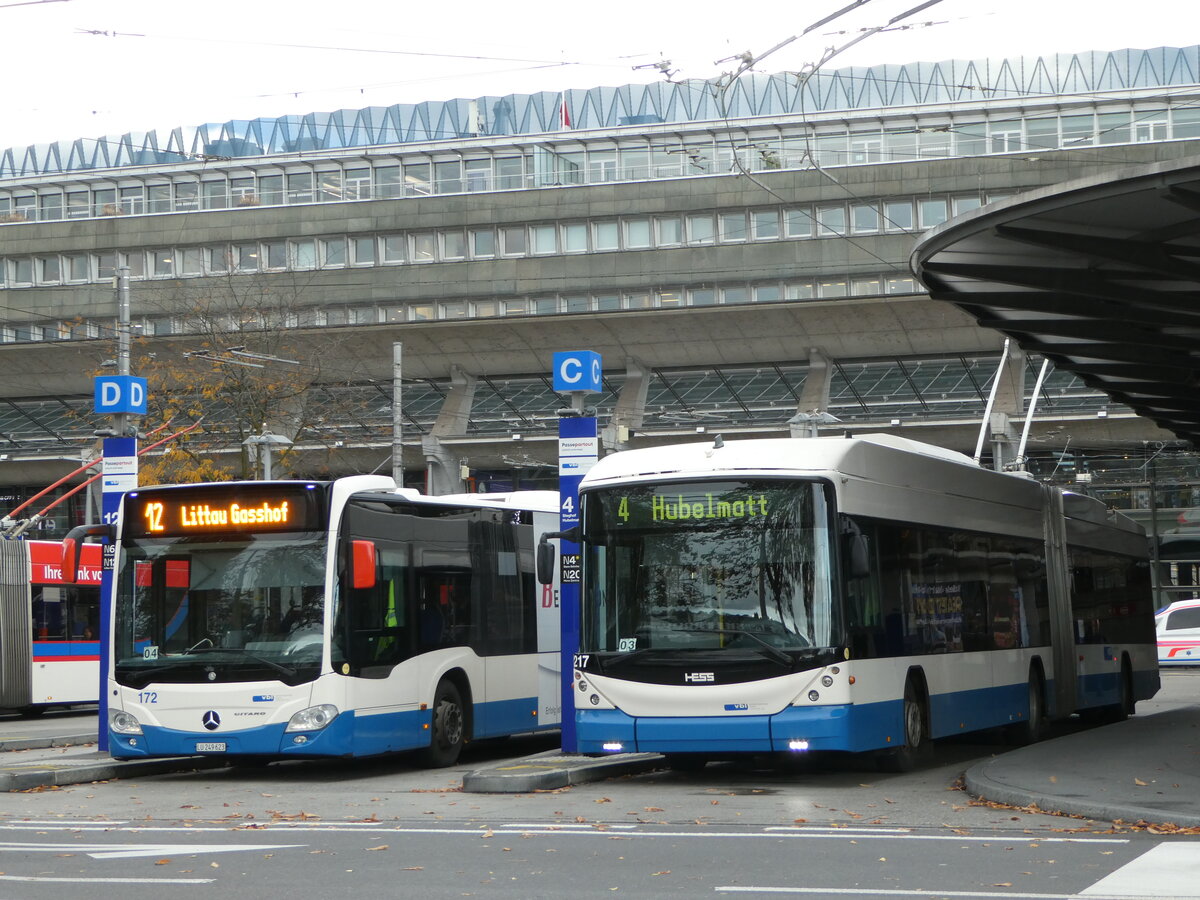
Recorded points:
1178,627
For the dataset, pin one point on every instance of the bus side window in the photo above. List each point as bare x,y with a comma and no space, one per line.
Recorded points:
49,622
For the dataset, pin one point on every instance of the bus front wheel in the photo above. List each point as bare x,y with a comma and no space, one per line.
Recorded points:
916,734
447,727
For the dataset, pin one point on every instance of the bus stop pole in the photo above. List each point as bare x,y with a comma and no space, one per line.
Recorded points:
576,373
122,397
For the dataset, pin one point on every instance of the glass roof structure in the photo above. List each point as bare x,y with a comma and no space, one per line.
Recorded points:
765,396
874,87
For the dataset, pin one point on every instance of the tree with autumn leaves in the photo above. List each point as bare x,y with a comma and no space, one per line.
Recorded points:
244,366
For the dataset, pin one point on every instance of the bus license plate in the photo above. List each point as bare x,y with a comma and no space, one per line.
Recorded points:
211,747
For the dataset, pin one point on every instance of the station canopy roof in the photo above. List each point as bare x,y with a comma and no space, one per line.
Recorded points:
1101,276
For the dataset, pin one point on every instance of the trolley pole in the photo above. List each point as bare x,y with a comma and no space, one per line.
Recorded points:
120,396
576,374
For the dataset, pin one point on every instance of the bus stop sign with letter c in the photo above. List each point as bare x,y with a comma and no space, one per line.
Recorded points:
577,371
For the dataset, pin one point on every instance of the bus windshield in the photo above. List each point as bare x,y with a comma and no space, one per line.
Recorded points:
732,565
236,608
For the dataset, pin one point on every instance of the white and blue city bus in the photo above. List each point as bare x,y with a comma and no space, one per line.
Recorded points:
846,594
268,620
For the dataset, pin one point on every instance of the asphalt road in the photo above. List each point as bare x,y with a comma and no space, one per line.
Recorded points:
830,828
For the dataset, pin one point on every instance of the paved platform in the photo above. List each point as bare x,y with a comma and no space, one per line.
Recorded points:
1145,769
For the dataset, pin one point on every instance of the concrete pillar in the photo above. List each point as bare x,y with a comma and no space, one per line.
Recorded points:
630,411
443,469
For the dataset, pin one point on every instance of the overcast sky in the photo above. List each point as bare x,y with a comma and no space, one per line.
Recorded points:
86,68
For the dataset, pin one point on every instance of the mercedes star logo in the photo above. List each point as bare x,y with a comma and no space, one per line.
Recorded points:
212,721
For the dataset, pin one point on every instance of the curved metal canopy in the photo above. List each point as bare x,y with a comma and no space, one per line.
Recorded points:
1102,276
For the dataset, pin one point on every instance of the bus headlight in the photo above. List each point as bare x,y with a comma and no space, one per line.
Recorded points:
312,719
123,723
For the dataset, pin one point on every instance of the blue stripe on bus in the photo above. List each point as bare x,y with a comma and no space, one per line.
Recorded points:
348,735
65,649
850,727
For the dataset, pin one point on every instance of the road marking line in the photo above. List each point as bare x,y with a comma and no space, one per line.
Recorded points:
131,851
896,892
1168,870
106,881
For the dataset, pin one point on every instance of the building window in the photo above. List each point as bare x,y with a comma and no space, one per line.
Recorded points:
831,220
300,187
187,196
513,237
866,287
424,246
417,180
51,207
933,212
798,223
191,261
545,239
898,215
831,288
734,295
395,248
333,251
357,184
246,256
276,254
215,194
133,200
448,177
637,300
668,231
608,302
48,269
329,185
764,224
799,290
901,284
703,296
733,226
606,236
966,204
637,234
483,243
478,174
452,309
864,218
164,262
304,254
700,229
270,189
364,251
768,293
454,245
510,172
387,182
420,312
575,237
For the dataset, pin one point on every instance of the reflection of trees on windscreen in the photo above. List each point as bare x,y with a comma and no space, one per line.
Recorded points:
227,595
695,580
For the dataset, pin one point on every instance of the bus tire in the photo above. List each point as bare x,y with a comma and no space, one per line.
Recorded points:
1125,705
447,729
1032,728
916,733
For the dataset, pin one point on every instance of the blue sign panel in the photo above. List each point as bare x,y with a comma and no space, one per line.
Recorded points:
578,449
577,370
120,394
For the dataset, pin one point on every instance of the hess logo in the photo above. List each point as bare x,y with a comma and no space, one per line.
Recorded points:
699,677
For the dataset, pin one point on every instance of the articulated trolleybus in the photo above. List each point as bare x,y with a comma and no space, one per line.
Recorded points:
847,594
345,618
49,629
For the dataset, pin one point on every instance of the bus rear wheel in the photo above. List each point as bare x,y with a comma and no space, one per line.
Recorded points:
447,728
1033,727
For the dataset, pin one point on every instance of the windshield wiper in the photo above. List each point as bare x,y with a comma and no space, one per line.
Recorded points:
245,656
767,650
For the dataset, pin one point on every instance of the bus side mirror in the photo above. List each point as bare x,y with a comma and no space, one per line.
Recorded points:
72,542
362,564
857,554
545,561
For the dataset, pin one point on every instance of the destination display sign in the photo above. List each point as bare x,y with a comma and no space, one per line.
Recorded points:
238,508
698,503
